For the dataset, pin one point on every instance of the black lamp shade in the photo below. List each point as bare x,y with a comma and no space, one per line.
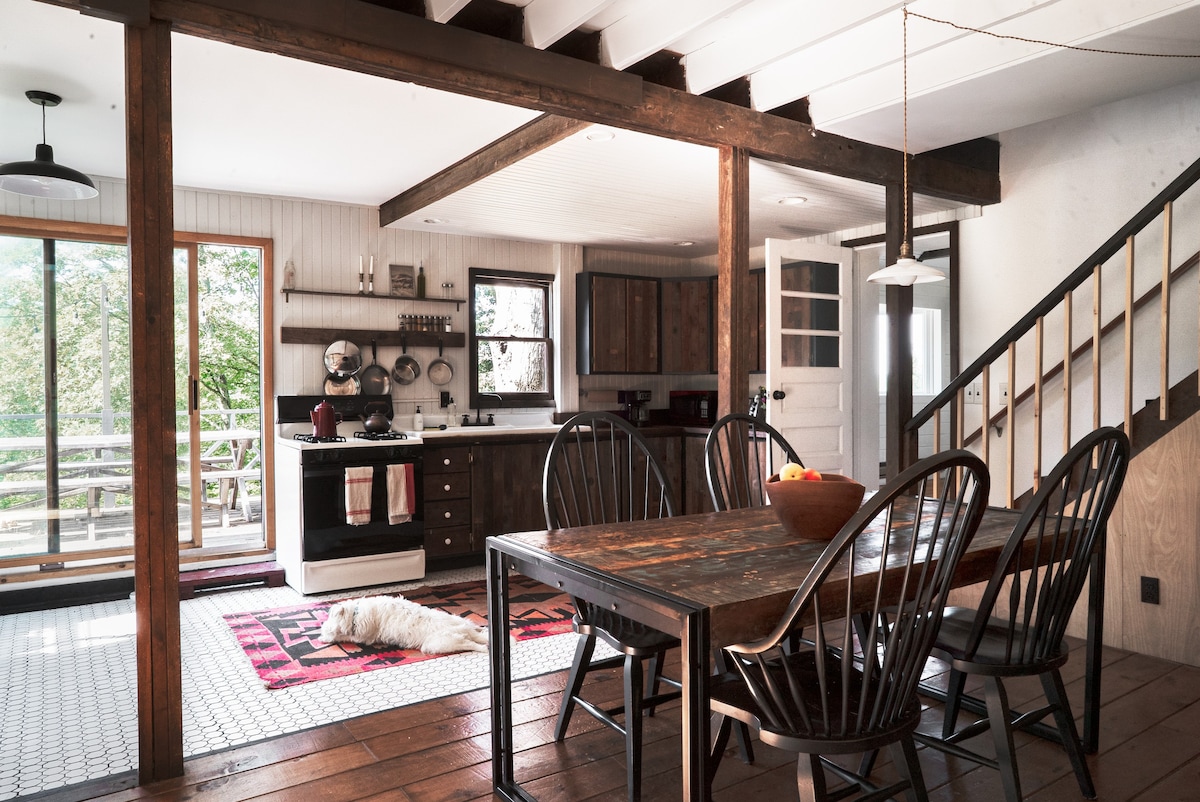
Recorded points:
42,178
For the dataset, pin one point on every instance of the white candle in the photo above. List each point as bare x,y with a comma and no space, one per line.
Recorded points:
372,265
360,264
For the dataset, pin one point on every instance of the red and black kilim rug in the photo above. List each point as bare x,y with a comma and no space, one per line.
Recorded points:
285,649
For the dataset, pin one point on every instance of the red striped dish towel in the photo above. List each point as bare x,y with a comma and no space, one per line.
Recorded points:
358,495
402,493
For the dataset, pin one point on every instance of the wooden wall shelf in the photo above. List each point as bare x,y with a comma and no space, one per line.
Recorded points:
331,293
362,337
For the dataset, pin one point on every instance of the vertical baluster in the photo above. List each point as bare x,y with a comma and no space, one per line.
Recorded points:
1010,413
1037,402
960,401
1165,330
937,447
985,411
1067,323
1096,348
1129,262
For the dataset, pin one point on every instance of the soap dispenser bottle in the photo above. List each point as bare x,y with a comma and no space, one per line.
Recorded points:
418,420
452,413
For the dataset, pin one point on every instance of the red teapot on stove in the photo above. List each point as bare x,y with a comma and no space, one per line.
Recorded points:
325,420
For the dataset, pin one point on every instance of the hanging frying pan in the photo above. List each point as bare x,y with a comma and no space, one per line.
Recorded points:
439,371
406,370
375,379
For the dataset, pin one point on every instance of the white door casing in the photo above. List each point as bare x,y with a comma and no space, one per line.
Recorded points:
810,350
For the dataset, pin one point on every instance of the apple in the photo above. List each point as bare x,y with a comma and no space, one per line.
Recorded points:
791,471
811,475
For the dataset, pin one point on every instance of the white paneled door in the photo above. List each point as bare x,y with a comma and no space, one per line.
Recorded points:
810,351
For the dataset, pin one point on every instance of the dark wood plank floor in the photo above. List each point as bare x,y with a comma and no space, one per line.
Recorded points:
440,750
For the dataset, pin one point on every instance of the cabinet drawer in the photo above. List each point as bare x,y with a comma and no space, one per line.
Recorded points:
448,512
447,541
440,486
447,460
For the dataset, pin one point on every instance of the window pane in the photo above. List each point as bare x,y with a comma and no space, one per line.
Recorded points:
513,367
809,313
810,277
808,351
506,310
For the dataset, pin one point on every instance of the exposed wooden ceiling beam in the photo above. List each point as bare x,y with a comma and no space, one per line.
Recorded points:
535,135
364,38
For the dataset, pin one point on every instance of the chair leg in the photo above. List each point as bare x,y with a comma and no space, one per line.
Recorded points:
1056,695
810,778
1000,719
655,672
579,668
721,725
904,755
633,727
954,691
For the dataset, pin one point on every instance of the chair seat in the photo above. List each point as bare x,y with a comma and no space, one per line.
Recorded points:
819,728
626,636
992,657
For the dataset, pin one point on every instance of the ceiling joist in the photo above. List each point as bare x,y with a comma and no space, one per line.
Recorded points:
365,38
536,135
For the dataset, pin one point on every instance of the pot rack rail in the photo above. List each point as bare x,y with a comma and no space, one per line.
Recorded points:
300,335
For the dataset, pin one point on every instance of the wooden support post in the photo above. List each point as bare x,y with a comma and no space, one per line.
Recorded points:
152,330
733,279
901,446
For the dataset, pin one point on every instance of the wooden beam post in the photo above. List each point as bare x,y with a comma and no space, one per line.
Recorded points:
733,278
901,447
152,336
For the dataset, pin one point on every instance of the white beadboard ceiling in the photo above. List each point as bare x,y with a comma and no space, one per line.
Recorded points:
246,121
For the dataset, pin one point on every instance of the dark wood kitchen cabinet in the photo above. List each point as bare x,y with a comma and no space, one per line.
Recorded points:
506,488
617,323
687,330
447,486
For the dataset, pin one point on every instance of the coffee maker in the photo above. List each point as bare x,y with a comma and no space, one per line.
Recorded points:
637,405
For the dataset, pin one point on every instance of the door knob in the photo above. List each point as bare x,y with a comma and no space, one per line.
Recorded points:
779,395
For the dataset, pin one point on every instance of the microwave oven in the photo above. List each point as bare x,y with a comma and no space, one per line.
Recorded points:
692,407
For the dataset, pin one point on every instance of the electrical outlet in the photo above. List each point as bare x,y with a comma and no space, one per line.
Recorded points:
1150,590
1003,392
971,393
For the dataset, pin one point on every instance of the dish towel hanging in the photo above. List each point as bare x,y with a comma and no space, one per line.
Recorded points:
358,495
402,493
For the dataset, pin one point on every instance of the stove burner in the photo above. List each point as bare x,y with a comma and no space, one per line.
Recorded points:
381,435
310,438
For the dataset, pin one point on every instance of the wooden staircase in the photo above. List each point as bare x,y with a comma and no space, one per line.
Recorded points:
1078,359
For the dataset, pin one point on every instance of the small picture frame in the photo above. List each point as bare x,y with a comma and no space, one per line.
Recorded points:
403,281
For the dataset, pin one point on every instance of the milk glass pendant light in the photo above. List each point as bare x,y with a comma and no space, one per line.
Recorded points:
907,270
42,178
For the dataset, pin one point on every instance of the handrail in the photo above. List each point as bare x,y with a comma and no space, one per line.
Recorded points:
1110,248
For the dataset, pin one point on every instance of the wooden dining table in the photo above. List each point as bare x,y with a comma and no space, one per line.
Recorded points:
712,579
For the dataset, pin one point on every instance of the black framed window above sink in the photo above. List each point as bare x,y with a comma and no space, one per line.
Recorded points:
512,352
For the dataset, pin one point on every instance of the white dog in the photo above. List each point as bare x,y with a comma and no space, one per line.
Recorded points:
397,621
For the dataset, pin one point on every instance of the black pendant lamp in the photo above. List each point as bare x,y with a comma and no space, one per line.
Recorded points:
42,178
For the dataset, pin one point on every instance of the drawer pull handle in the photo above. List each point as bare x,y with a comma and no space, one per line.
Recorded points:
446,488
447,514
448,541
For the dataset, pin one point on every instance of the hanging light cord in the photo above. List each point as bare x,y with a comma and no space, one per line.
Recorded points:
43,105
1041,41
904,246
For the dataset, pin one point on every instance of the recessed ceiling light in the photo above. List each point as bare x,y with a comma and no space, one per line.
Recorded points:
600,135
433,221
683,243
793,200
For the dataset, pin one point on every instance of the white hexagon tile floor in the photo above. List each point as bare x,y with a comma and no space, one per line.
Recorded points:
69,707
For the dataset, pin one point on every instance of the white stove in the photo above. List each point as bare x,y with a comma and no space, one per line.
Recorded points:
318,547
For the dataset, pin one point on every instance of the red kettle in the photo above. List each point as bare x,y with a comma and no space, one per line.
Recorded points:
325,420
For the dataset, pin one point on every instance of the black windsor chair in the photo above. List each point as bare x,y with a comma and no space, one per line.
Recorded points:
1021,621
740,453
873,602
600,470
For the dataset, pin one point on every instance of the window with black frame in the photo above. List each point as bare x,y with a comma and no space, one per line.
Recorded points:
511,349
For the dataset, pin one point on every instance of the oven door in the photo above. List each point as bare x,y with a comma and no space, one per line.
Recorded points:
327,536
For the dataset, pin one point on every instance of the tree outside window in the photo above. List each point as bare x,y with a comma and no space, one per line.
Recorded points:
512,352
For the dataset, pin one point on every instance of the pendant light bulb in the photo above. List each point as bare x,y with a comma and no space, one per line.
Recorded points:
42,178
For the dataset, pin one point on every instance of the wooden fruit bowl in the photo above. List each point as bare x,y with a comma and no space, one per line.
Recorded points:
814,509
